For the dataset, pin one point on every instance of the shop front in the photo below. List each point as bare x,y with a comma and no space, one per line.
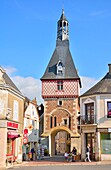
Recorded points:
105,143
89,137
12,142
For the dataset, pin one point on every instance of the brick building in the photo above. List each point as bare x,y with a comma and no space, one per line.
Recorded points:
60,91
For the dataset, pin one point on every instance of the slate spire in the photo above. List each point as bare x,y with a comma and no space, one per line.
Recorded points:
61,65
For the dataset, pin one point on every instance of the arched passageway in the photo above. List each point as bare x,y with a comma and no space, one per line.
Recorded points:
64,143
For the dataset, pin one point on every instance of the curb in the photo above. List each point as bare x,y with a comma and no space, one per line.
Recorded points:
43,163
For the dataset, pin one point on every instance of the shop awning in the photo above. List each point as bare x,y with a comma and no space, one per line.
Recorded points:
12,134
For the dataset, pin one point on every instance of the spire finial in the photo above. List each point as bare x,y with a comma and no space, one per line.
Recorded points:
63,7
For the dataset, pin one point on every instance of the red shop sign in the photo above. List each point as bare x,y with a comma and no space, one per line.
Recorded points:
12,125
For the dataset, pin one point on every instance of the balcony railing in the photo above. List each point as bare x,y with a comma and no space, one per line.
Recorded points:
88,119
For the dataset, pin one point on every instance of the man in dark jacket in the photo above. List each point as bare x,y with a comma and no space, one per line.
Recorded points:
32,151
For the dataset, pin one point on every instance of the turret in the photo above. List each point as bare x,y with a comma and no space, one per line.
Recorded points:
62,28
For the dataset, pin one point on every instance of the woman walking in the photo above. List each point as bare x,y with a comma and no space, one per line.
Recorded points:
87,153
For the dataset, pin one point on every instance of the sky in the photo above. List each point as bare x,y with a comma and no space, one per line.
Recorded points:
28,32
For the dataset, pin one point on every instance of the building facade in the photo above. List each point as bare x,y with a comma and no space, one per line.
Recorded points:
60,91
95,112
11,120
31,128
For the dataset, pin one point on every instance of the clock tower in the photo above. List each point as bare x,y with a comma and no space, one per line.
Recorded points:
60,91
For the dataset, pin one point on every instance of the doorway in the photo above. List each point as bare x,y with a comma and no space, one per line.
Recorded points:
90,140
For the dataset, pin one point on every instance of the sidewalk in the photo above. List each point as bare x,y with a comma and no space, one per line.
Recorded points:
50,161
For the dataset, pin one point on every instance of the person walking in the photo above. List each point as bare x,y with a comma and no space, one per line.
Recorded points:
32,151
87,153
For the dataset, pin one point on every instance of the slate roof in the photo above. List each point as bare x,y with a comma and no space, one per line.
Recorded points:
8,82
102,87
62,53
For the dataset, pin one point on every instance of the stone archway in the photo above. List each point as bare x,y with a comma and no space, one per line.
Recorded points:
52,133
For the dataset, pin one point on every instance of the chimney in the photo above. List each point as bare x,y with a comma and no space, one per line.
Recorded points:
109,68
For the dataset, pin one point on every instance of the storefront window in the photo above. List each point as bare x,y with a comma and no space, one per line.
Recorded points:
9,146
106,143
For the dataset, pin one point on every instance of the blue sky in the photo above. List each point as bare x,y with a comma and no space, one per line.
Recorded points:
28,31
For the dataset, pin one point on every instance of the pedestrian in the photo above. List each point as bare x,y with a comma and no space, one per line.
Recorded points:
32,151
74,153
66,155
87,153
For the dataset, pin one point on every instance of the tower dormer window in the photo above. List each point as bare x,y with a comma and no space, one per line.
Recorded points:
59,68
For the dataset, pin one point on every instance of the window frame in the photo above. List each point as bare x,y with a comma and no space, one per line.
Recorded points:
89,112
15,110
106,108
60,102
59,85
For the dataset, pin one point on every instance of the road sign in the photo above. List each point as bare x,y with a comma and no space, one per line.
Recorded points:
25,140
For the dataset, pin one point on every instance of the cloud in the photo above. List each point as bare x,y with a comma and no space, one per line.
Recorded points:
9,70
29,86
87,83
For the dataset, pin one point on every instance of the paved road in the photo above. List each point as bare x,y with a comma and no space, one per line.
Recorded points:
64,167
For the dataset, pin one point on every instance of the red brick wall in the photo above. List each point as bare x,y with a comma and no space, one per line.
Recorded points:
68,109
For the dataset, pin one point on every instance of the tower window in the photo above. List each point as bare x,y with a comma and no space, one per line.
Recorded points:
65,121
59,102
51,122
55,121
60,85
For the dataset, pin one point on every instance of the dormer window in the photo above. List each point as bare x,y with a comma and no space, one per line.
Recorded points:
59,68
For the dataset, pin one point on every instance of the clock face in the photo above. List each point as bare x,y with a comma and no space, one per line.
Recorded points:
60,67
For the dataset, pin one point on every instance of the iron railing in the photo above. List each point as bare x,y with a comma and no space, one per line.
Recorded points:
87,119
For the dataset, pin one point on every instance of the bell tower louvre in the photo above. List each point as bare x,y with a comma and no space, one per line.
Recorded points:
60,91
